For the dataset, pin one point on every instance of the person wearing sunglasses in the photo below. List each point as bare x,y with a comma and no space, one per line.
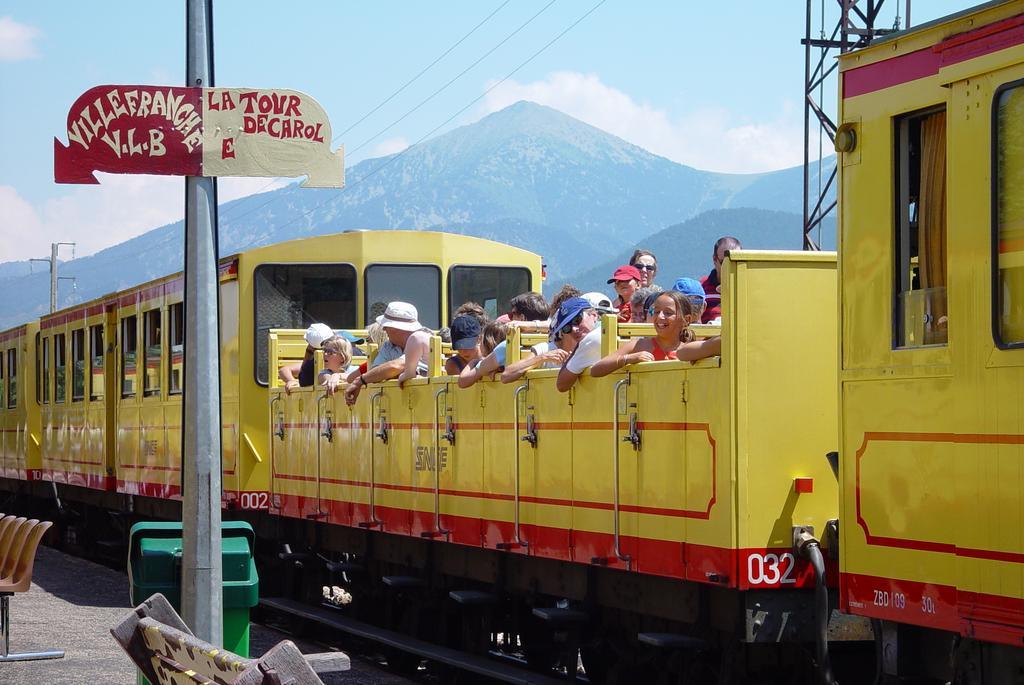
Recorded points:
647,264
577,319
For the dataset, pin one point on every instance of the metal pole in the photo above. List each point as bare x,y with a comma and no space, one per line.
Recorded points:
807,131
201,592
53,277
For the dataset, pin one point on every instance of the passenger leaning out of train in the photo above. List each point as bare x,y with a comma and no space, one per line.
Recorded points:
546,355
625,280
408,339
579,320
465,344
337,355
492,351
301,374
672,313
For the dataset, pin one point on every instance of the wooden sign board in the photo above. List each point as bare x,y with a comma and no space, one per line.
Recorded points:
175,131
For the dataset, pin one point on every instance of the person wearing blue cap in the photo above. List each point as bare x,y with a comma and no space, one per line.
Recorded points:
578,319
465,344
694,292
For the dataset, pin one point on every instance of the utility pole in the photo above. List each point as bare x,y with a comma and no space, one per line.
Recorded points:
54,278
201,591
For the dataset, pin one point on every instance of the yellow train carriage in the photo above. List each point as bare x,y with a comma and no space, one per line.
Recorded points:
932,325
19,414
72,369
692,471
346,281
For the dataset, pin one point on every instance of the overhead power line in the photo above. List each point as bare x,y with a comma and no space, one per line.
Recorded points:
389,98
472,102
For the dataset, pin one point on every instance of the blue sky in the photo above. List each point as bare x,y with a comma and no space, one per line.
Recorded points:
713,85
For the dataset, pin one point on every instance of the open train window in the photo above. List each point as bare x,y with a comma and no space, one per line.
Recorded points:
1008,215
129,343
297,295
78,365
417,284
177,342
154,352
12,378
96,362
60,367
490,286
919,307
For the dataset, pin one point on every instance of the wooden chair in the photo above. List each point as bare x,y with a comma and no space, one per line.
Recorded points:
9,560
20,560
166,651
8,526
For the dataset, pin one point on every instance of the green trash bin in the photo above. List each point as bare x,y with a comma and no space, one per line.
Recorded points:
154,565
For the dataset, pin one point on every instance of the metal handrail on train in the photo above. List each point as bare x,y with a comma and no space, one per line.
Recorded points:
382,434
519,541
615,452
438,530
279,430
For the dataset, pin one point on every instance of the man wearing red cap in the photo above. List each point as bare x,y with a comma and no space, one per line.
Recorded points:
626,279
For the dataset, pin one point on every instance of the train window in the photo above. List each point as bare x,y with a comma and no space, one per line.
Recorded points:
177,343
96,362
129,343
59,367
297,295
12,378
490,286
3,389
1008,215
42,369
78,365
151,343
417,284
919,308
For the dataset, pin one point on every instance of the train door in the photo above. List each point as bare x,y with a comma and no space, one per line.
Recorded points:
129,467
361,462
499,443
81,457
294,451
464,472
429,456
393,458
325,455
338,471
657,439
162,478
604,416
545,442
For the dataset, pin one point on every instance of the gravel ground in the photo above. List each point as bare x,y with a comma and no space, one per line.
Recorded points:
72,605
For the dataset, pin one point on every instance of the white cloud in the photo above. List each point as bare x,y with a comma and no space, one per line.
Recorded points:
389,147
713,139
17,41
96,217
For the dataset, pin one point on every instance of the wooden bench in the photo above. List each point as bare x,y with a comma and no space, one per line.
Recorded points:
167,653
19,540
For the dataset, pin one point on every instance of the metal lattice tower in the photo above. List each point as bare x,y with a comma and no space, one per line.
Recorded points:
857,25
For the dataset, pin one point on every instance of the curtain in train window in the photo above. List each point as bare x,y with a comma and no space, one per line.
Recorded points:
489,286
12,378
60,367
153,352
78,365
920,297
129,343
96,362
1008,186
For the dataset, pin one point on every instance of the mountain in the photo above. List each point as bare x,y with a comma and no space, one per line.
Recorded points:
527,175
684,249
